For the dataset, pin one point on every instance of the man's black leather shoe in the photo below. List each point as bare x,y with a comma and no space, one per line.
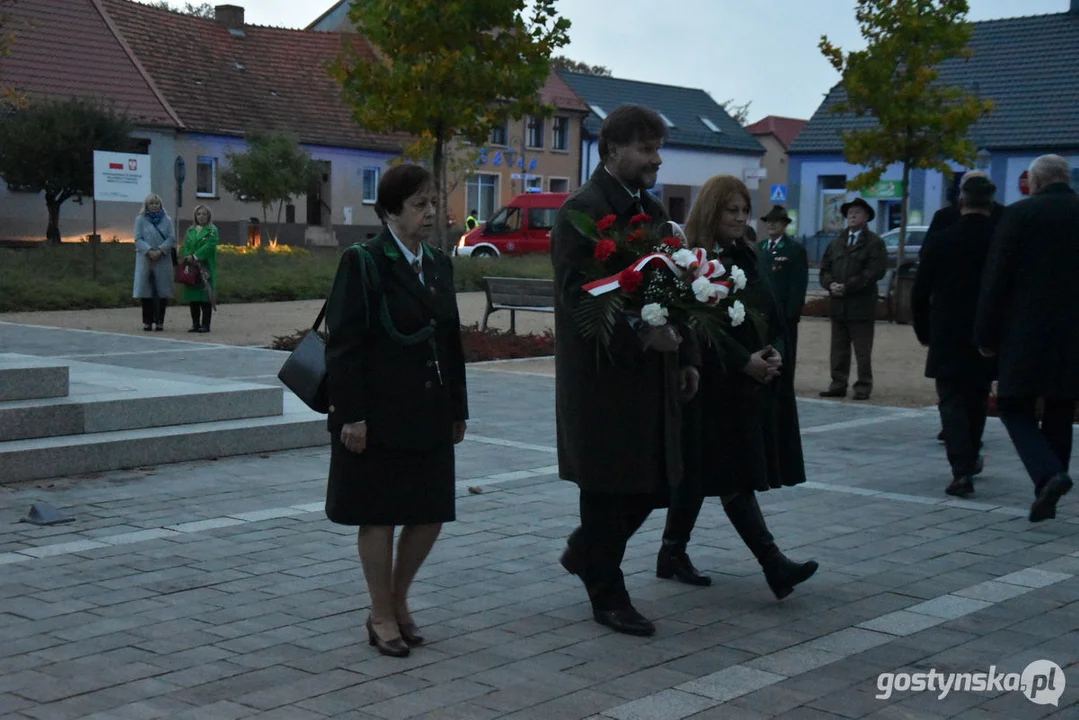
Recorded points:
961,487
627,620
674,562
833,393
1045,506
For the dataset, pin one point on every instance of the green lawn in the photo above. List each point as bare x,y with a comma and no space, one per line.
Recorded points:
59,278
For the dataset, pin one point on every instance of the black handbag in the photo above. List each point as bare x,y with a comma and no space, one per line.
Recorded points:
304,373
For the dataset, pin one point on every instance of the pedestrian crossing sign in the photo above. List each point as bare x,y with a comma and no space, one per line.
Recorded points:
779,194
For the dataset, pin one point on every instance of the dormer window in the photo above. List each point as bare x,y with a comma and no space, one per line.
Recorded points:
710,125
666,120
598,111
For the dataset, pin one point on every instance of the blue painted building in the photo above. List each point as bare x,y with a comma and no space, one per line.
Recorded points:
1026,65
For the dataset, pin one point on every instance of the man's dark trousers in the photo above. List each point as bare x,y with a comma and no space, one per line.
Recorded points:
962,415
608,521
1046,450
858,333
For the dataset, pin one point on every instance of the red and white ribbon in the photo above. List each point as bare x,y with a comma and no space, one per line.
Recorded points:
609,283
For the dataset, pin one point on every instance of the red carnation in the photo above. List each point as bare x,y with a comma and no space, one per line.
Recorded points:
604,249
637,234
640,218
629,280
605,222
672,242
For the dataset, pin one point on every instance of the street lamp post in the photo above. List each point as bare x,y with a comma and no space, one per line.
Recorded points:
509,153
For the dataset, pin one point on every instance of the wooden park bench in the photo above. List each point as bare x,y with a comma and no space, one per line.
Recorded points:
515,294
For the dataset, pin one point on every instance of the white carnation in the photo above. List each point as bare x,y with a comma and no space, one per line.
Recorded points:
654,314
739,277
684,258
737,311
704,290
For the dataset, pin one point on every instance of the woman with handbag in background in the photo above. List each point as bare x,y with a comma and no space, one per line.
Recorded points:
199,252
154,241
396,384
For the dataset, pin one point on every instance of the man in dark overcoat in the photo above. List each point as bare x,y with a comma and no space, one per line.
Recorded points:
852,266
618,413
1028,316
790,278
948,216
944,302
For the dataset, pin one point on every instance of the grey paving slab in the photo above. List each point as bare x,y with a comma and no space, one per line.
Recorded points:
218,589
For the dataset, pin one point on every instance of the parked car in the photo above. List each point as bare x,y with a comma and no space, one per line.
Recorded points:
915,236
522,226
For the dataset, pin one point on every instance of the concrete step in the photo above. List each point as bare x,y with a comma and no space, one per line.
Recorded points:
144,404
40,458
25,377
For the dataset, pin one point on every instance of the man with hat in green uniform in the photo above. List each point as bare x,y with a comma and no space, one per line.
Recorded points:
851,267
790,276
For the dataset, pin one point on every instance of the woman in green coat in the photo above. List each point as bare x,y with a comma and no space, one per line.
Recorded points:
200,249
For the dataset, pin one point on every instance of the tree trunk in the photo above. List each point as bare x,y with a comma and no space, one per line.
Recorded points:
52,232
440,191
277,225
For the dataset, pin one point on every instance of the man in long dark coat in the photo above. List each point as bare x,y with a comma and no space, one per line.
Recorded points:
948,216
852,266
790,278
1028,316
618,414
944,302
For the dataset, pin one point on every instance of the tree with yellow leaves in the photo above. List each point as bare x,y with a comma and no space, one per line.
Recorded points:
448,70
921,122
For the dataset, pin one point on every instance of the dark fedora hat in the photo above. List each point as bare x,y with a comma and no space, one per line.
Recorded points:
778,212
858,202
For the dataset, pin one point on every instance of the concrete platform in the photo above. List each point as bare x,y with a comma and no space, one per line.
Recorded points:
296,427
24,377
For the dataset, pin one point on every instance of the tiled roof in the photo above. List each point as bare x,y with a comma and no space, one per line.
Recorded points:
1027,66
68,48
785,129
684,107
556,92
271,79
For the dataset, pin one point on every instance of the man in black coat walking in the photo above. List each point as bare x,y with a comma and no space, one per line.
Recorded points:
944,302
618,413
1028,316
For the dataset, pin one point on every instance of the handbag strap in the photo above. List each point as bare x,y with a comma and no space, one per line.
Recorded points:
365,261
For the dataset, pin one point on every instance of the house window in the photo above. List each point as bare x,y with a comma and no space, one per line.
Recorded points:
560,134
370,184
206,177
534,184
482,195
535,132
558,185
499,135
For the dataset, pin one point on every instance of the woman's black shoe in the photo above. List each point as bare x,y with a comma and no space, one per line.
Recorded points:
203,329
393,648
410,634
194,329
673,562
147,328
159,329
783,574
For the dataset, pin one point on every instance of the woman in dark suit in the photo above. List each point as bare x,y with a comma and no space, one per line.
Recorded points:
731,443
396,379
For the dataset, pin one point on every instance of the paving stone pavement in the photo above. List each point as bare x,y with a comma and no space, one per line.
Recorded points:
218,589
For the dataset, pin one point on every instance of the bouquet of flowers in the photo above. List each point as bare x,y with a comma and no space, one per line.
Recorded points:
647,269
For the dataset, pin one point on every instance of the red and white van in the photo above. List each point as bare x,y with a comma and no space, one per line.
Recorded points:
522,226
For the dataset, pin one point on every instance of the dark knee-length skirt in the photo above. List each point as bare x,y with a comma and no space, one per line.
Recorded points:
390,486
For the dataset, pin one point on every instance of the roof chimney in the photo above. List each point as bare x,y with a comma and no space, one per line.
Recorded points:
231,16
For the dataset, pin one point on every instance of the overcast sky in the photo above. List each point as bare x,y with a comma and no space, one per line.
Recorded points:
764,51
